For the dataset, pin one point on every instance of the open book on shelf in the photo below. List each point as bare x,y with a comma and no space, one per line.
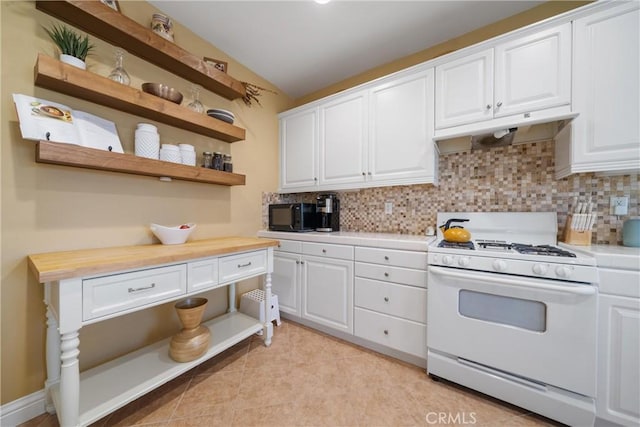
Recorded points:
50,121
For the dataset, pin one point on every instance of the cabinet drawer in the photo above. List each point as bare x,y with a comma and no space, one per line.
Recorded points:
625,283
406,276
402,301
202,275
111,294
396,258
404,335
289,246
328,250
241,266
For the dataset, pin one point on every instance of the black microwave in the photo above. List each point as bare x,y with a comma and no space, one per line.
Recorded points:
292,217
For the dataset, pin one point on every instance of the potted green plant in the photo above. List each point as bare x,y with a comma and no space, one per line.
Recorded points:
73,47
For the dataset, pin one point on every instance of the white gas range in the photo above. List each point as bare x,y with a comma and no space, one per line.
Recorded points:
513,315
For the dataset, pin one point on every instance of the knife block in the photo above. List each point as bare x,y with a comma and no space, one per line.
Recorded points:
575,237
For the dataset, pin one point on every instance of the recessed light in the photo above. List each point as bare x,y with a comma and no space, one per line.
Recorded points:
322,1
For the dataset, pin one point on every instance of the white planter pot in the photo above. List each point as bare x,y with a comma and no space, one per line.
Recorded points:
72,60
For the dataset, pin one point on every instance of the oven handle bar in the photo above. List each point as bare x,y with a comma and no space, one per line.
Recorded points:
570,289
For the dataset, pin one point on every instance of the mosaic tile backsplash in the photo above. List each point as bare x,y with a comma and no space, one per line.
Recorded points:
516,178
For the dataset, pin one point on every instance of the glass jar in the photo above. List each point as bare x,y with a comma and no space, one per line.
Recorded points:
119,74
207,159
227,165
217,161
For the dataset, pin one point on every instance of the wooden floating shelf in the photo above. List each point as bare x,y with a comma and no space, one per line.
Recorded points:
52,74
91,158
113,27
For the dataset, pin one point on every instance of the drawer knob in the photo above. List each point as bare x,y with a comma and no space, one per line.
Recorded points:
324,251
386,332
386,299
244,265
386,258
386,274
144,288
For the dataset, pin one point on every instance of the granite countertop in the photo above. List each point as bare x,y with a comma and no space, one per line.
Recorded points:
611,256
378,240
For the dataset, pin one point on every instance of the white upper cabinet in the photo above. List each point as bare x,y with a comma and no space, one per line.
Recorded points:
605,137
401,149
379,135
526,74
299,149
464,90
343,139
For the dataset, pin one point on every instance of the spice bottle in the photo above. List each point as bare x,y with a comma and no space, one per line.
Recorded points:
217,161
227,166
207,159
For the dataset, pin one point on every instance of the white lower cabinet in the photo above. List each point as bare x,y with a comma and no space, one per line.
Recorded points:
618,390
391,299
376,295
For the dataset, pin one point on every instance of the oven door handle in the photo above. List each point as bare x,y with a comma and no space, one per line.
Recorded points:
523,282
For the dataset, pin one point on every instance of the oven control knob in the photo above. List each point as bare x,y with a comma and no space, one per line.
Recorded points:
447,260
499,265
464,261
563,271
540,269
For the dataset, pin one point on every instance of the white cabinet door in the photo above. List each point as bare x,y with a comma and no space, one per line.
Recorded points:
299,149
606,92
327,292
401,129
285,281
618,395
343,140
533,72
464,90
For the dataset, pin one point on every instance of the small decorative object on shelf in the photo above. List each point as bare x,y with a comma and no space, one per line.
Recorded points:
119,74
147,141
217,64
253,92
193,340
227,166
196,105
73,48
162,25
217,161
207,160
113,4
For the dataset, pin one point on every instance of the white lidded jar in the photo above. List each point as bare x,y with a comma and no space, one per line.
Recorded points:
170,153
188,154
147,141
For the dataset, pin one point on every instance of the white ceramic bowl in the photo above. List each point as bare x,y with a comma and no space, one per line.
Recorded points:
172,235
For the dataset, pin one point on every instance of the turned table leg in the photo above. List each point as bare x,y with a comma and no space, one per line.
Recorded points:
69,379
53,358
267,332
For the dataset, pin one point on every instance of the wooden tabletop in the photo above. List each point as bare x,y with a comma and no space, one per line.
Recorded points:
52,266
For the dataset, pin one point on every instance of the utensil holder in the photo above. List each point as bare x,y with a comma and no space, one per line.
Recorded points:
575,237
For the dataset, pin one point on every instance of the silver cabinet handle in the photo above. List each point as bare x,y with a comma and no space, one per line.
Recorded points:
144,288
499,104
488,106
386,332
244,265
386,299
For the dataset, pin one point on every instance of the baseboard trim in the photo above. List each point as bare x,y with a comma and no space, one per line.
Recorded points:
22,410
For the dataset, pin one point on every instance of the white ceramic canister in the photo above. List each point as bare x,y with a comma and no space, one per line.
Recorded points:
631,232
170,153
147,141
188,154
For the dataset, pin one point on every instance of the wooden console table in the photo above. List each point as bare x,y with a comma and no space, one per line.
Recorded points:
89,286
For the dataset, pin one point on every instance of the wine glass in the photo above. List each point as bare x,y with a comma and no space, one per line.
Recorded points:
119,74
196,105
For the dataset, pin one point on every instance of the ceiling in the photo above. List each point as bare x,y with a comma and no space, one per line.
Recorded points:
301,46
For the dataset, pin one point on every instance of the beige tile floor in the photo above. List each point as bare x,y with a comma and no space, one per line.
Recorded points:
309,379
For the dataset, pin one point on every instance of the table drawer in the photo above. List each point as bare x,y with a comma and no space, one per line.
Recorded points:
402,301
242,266
396,258
406,276
289,246
344,252
202,274
400,334
112,294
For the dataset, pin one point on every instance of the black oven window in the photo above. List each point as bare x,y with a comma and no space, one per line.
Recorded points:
521,313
